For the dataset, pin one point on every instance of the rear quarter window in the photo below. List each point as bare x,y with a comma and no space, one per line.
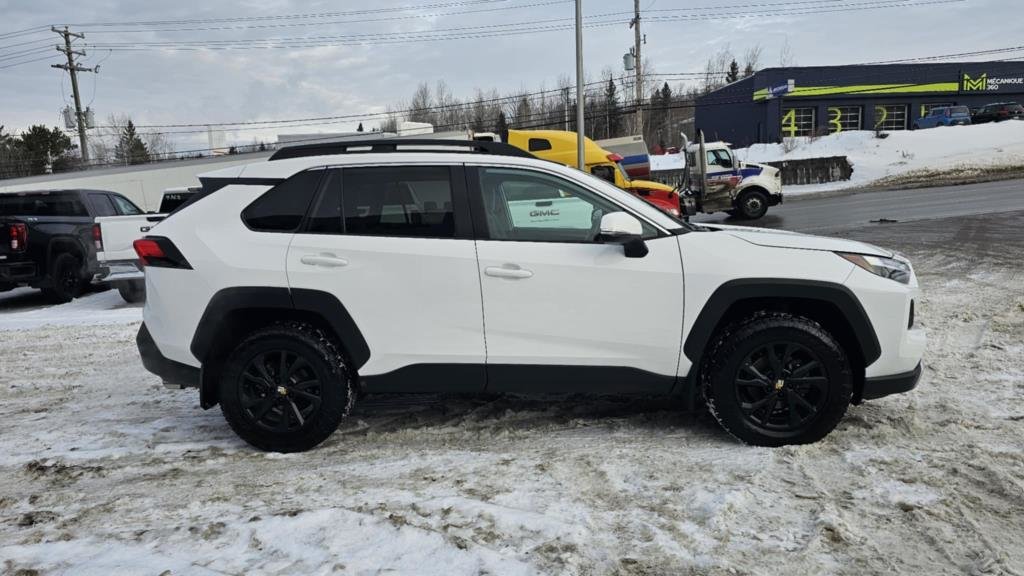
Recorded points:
282,208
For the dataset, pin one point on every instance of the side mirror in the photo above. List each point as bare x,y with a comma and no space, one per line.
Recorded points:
622,228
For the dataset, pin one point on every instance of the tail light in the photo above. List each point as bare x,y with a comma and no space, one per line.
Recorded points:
613,157
97,237
160,252
18,235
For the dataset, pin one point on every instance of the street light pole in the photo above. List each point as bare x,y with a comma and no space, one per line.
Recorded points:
579,85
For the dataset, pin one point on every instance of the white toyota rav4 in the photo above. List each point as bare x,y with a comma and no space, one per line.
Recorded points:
288,288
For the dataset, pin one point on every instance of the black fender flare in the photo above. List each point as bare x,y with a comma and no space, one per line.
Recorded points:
228,302
735,291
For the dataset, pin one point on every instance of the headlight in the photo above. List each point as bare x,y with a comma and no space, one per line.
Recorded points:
891,268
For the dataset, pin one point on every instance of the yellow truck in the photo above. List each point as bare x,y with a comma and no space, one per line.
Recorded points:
560,146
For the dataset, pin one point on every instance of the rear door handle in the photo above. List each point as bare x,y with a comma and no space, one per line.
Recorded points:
325,260
503,272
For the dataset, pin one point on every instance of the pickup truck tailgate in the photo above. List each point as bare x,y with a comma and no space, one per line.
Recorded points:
119,232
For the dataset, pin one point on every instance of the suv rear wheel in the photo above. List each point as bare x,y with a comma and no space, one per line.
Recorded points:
286,388
777,379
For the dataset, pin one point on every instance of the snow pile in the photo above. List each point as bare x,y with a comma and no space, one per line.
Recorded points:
26,308
958,148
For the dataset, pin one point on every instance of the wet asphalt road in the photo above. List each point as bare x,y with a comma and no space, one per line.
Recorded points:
823,214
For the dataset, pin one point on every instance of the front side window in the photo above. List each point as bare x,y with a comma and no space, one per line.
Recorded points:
282,208
719,158
407,201
532,206
606,173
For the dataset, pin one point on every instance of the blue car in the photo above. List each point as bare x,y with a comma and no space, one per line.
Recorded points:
944,116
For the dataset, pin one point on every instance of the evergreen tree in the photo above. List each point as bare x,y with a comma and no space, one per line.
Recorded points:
613,114
130,148
734,72
360,128
501,126
42,147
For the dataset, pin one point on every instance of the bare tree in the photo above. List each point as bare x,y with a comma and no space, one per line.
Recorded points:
751,60
786,58
159,147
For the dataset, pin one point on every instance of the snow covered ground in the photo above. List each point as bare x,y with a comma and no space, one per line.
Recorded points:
967,149
102,471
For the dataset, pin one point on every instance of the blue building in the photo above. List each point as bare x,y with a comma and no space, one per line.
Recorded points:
778,103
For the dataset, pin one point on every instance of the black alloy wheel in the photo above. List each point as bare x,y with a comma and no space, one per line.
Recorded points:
279,391
776,378
781,387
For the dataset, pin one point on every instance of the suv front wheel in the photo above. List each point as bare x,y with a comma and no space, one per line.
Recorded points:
777,379
286,388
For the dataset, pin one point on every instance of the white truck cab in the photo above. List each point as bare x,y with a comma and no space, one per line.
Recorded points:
720,182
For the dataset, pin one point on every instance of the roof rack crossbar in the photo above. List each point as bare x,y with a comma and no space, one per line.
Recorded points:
407,145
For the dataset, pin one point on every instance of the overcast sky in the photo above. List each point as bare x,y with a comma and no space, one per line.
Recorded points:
171,87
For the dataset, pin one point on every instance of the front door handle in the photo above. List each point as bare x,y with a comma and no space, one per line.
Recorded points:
507,272
325,260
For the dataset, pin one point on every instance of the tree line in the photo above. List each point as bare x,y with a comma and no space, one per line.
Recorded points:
609,110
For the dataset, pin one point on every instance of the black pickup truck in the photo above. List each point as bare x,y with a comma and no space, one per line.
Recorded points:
49,238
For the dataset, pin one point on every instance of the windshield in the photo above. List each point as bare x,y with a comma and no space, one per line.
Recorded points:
960,110
622,171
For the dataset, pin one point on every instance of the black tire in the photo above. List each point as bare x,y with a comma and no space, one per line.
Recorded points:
796,398
300,416
132,292
67,282
751,205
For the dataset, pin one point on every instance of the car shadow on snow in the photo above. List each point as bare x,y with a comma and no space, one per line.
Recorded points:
381,414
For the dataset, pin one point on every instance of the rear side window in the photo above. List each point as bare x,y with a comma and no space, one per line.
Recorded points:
101,205
409,201
282,208
538,144
47,204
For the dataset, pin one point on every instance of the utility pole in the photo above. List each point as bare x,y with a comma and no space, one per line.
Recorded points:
74,69
635,25
565,110
581,164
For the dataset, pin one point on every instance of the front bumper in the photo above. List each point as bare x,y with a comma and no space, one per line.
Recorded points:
119,271
174,374
882,386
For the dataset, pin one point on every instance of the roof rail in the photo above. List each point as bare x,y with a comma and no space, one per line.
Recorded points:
406,144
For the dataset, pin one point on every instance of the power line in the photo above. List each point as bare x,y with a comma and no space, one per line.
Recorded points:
333,22
293,16
28,61
474,32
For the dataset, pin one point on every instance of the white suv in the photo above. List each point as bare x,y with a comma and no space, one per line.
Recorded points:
290,287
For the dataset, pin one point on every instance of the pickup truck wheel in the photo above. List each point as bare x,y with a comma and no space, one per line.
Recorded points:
66,278
286,388
752,204
133,291
777,379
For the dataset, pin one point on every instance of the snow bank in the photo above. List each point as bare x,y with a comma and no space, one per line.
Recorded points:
984,146
25,308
